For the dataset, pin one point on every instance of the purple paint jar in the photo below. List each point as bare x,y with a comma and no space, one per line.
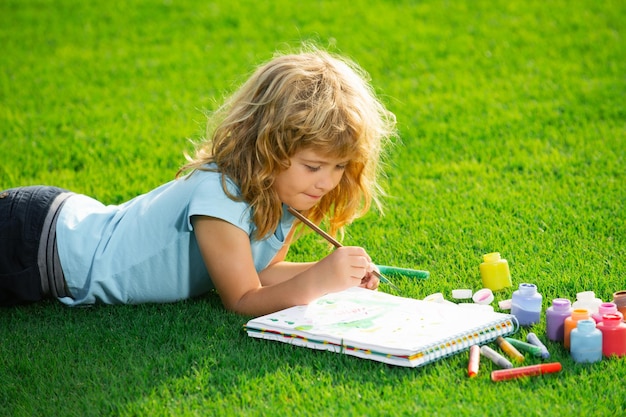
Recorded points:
555,318
526,304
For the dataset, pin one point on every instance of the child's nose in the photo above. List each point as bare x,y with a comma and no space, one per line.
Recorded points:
325,182
329,181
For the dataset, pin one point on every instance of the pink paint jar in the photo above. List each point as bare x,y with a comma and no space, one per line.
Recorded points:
605,308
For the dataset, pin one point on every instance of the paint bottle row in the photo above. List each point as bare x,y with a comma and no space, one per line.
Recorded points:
586,306
589,328
526,307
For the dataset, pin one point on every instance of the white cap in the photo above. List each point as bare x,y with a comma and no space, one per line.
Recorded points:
436,297
484,296
461,294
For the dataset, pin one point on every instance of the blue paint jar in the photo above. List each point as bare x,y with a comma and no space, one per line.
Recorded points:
586,342
526,304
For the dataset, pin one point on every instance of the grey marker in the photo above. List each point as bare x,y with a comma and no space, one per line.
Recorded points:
495,357
533,339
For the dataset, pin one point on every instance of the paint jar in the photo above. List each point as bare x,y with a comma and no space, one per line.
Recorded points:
586,342
526,304
588,300
619,298
605,308
555,318
613,335
494,272
570,323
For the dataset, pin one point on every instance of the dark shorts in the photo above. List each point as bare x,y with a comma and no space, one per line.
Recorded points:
23,213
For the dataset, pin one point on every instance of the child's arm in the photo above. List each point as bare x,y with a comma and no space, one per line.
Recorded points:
226,252
278,270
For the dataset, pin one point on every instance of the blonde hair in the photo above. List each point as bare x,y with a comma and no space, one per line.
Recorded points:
307,100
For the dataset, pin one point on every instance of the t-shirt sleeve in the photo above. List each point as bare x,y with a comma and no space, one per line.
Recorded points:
209,199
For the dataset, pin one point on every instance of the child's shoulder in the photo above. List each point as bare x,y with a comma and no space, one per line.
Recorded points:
210,177
207,186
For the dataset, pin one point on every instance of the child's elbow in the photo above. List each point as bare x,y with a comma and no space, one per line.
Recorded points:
238,305
233,308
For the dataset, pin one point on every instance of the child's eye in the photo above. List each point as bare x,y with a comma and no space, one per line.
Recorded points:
342,166
312,168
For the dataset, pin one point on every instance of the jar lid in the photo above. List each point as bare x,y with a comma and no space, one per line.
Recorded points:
461,294
436,298
484,296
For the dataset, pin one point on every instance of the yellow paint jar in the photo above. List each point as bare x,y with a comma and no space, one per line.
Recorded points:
494,272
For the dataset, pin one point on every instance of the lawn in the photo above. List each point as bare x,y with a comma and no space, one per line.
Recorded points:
512,139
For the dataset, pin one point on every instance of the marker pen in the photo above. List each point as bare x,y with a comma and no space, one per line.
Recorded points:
413,273
532,370
495,357
532,338
509,349
474,361
524,347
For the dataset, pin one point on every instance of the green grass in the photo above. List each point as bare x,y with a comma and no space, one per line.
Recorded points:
512,120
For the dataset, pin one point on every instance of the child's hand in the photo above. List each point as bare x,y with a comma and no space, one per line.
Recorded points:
370,281
347,266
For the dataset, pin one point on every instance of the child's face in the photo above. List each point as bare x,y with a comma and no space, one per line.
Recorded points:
310,176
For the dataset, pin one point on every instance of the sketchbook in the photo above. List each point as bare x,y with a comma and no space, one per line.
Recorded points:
383,327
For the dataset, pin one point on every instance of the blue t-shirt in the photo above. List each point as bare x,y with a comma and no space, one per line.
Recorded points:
145,250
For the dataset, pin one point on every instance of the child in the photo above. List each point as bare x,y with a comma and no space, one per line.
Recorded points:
305,131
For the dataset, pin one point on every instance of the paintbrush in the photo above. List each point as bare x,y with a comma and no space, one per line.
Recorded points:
335,243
